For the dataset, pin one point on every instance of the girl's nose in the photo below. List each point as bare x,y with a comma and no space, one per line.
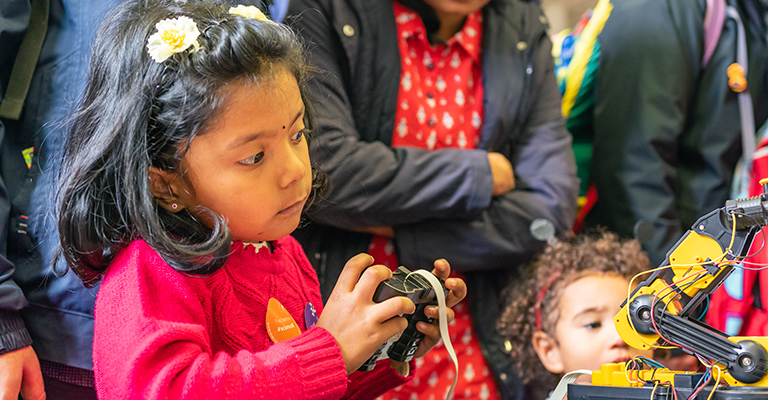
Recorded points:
294,168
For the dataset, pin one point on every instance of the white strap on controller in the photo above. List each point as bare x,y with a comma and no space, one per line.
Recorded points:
443,321
562,388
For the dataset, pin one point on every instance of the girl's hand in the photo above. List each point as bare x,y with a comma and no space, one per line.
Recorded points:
358,324
458,289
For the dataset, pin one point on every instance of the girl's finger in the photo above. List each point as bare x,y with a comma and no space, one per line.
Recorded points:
351,272
370,279
458,290
442,269
391,328
431,330
431,334
432,312
392,307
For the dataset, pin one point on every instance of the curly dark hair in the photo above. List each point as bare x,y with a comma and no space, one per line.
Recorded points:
575,258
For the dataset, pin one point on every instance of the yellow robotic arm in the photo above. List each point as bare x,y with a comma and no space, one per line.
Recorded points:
664,310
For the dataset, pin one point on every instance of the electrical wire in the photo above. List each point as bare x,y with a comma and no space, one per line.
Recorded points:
660,295
760,268
762,232
703,313
717,381
637,363
701,384
667,295
680,288
629,294
655,385
699,275
733,233
629,366
651,362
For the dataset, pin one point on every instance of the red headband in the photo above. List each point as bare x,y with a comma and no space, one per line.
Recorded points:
543,292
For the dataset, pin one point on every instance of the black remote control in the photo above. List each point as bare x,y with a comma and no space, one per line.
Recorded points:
421,293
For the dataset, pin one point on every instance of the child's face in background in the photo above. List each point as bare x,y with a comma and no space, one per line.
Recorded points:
252,165
585,333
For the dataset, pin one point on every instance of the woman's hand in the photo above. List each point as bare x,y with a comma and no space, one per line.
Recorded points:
502,173
21,375
358,324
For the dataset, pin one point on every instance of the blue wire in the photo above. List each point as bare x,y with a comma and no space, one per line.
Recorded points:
651,362
704,312
704,379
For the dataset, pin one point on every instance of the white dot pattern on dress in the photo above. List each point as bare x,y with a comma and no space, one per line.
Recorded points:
443,79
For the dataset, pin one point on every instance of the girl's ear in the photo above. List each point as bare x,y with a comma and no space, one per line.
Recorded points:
166,187
548,351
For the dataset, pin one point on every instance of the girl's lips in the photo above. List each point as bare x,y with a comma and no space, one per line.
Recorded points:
293,208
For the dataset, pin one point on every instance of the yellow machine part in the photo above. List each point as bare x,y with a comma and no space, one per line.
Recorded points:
616,375
760,340
685,261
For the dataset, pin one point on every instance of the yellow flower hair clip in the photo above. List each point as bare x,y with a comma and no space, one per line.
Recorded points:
173,35
248,12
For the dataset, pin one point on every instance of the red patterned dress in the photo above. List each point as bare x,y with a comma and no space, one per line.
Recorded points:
440,104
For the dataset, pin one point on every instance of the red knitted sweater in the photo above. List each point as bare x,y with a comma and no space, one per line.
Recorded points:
160,334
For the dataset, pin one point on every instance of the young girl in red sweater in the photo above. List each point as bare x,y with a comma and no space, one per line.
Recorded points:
186,169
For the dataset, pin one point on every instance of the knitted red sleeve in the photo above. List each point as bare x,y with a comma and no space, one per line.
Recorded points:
152,342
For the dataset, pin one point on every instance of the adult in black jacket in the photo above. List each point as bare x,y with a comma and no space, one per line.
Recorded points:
666,128
439,203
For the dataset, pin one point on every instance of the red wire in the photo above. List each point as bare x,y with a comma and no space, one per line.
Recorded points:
696,393
653,320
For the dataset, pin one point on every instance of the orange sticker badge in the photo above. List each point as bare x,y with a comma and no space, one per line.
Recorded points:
280,325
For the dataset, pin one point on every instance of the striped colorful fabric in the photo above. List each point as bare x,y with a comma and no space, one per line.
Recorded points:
577,55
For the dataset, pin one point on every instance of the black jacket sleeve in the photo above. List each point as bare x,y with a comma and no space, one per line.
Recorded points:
662,134
439,202
372,183
546,189
13,334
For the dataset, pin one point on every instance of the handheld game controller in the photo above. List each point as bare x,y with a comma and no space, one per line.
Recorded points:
418,289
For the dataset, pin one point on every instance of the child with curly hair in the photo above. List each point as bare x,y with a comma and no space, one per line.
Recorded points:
559,318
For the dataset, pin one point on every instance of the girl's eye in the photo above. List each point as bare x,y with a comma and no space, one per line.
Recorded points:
299,135
593,325
252,160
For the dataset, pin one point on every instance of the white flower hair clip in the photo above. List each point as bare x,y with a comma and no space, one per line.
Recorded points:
173,35
248,12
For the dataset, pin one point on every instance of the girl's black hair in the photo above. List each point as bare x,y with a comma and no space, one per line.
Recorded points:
138,113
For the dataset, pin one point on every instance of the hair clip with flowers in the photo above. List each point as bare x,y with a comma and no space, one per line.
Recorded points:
248,12
173,35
